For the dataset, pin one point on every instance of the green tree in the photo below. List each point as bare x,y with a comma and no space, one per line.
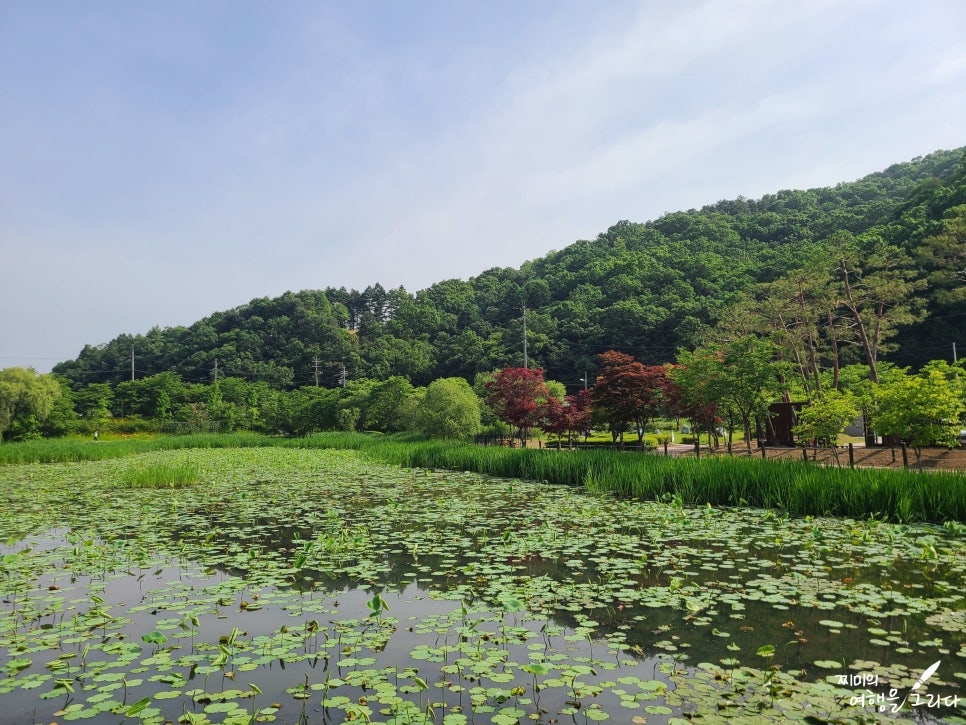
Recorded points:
921,410
162,410
824,418
389,405
876,289
347,419
855,380
355,397
62,418
449,409
26,401
739,377
955,374
944,257
697,393
93,404
302,411
142,396
752,378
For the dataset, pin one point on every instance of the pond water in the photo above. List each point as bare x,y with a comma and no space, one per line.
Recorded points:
299,586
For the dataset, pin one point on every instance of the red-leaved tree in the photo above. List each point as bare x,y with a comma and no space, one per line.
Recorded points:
553,418
515,395
628,392
578,413
570,416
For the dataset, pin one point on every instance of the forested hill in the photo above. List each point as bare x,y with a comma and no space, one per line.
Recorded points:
645,289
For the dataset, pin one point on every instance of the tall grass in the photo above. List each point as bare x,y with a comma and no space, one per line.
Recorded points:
796,487
162,475
64,450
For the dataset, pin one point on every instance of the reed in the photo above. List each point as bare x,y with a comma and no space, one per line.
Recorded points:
66,450
162,475
796,487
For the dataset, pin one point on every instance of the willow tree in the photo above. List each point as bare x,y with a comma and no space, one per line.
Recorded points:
26,400
448,409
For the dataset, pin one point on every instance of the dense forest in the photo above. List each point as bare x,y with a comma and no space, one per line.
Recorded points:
645,289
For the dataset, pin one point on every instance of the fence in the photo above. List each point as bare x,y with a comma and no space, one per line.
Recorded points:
846,455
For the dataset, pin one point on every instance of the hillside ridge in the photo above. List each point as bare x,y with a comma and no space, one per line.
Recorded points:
648,289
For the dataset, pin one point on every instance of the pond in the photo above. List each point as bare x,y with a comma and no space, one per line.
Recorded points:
307,586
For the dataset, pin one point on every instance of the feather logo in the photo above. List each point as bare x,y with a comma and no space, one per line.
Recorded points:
930,671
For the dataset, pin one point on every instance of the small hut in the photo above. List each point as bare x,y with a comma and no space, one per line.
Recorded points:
782,417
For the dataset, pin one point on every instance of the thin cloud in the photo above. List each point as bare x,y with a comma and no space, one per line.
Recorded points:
185,158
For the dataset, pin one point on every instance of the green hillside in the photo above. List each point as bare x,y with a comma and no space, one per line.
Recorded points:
647,289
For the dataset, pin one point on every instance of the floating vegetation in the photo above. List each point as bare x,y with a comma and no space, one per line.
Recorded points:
315,586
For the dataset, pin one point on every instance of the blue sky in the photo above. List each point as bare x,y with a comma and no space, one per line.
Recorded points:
161,161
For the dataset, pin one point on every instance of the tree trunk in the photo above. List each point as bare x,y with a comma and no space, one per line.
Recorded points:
813,358
835,350
867,348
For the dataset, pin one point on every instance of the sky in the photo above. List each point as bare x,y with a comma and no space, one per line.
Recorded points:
163,161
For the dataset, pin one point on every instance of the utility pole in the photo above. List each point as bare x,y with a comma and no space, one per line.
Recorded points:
954,354
525,365
342,376
216,370
315,366
132,359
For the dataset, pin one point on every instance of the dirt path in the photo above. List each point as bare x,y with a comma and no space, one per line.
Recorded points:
932,458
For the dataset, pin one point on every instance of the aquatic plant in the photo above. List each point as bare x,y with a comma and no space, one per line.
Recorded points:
162,475
796,487
495,600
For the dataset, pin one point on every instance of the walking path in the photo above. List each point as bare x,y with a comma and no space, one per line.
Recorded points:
932,458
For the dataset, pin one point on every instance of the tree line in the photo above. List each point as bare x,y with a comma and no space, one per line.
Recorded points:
718,389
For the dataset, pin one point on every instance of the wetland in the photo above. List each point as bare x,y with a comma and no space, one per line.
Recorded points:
322,586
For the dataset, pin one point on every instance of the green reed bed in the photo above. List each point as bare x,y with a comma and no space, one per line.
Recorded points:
66,450
796,487
162,475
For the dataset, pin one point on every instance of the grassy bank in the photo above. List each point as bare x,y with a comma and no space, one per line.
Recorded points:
795,487
64,450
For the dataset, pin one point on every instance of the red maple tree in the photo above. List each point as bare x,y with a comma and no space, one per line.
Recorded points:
627,392
515,395
570,416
